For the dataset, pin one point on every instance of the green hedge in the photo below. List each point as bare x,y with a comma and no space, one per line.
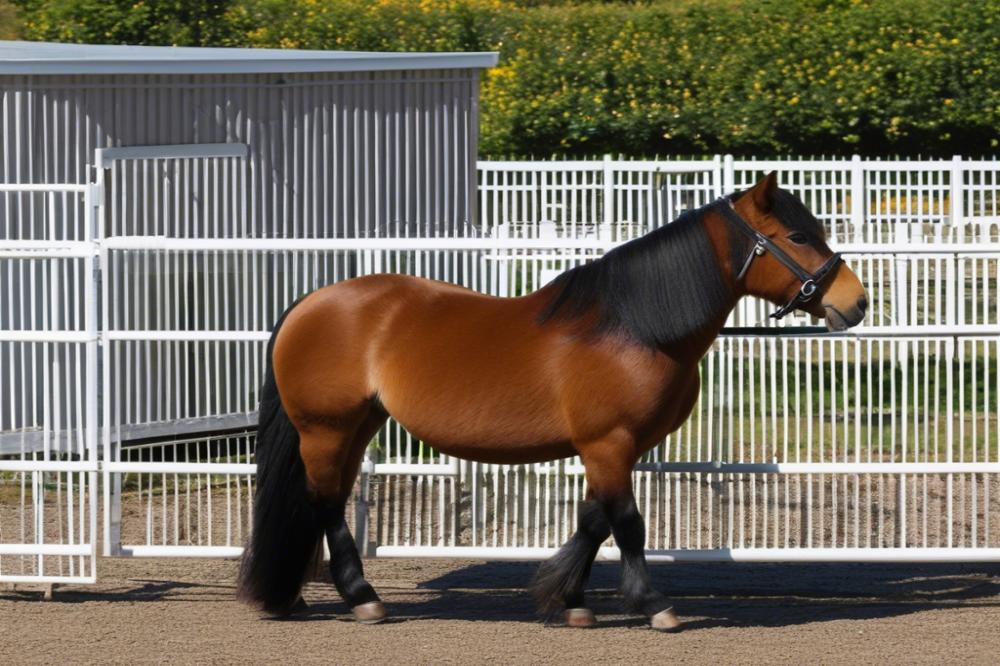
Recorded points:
809,77
163,22
9,25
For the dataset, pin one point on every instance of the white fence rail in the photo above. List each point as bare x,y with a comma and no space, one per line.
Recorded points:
879,443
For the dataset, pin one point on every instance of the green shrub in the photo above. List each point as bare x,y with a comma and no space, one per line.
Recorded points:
885,77
811,77
9,25
150,22
874,77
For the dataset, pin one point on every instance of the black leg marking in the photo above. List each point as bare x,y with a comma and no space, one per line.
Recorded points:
560,580
630,535
345,563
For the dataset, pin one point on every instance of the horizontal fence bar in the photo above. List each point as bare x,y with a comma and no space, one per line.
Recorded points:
47,336
882,332
823,468
180,551
610,554
47,466
44,187
45,580
737,164
448,469
691,166
177,336
42,255
45,549
887,332
180,468
164,243
38,249
433,469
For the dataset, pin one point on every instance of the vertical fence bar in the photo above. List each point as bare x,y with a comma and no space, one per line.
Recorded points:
957,194
608,182
857,198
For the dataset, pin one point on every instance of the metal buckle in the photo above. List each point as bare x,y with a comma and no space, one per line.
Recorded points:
808,289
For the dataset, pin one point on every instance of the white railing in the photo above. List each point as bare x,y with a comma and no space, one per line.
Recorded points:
730,457
49,385
879,443
858,199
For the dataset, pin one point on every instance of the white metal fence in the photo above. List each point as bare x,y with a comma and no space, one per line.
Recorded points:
49,385
881,443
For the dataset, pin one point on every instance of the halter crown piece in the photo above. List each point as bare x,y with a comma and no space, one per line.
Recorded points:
810,281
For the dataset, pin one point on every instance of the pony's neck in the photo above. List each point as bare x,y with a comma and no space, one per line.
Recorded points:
696,343
668,290
728,247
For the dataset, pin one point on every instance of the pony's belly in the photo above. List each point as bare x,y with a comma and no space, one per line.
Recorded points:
507,453
480,430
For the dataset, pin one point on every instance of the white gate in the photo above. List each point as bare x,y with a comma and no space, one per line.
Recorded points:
48,384
182,368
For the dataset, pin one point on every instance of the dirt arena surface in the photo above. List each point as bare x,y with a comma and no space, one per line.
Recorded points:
183,611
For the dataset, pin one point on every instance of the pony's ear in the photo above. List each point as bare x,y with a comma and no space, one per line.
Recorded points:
763,192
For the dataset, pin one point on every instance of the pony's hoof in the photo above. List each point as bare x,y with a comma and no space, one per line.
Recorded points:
372,612
300,606
579,617
665,620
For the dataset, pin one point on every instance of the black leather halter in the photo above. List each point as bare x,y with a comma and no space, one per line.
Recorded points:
810,281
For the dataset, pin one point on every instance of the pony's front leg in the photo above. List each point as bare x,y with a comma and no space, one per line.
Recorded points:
560,580
609,476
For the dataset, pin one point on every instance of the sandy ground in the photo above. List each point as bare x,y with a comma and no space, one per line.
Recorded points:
183,611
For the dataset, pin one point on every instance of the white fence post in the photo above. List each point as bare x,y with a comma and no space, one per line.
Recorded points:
728,175
858,203
93,199
957,194
111,483
718,184
608,176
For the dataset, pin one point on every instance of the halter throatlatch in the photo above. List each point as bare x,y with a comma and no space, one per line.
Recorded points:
810,281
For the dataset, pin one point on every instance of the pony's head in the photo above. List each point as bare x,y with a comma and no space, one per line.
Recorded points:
778,252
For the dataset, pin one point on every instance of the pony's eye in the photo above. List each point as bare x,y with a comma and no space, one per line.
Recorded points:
798,238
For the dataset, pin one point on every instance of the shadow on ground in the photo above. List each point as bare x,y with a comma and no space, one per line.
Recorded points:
706,595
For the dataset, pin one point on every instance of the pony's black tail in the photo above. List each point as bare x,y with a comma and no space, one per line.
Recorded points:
286,526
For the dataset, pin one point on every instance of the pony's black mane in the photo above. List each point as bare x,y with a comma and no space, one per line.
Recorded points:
658,289
666,285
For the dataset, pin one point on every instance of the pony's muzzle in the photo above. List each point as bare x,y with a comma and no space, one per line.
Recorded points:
837,320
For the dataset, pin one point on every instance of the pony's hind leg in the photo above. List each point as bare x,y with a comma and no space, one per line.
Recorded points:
332,463
608,467
560,580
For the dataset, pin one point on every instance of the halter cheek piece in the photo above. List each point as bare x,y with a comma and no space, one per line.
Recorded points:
810,281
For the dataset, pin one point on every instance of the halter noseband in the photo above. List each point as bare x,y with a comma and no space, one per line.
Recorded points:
810,281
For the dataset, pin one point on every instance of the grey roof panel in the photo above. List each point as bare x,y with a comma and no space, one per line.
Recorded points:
52,58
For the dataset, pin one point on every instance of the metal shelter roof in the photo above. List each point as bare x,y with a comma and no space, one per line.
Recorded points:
51,58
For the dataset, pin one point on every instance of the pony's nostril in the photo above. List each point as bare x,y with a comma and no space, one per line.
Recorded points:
863,303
